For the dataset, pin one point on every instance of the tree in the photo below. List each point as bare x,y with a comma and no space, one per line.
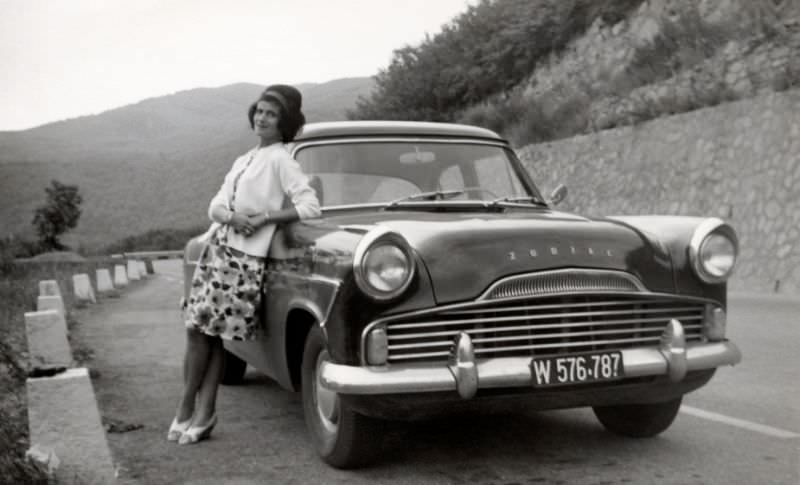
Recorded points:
486,51
60,212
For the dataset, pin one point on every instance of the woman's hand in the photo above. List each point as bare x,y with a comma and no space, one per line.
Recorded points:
258,220
241,224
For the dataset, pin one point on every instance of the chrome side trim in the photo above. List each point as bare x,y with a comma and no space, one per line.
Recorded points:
324,279
337,286
326,312
505,371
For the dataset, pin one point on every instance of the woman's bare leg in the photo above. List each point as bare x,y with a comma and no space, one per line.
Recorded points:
207,394
195,366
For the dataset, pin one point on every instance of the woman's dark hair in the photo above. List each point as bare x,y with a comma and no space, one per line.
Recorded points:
291,115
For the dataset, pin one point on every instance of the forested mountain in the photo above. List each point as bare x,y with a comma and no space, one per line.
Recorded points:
146,166
174,127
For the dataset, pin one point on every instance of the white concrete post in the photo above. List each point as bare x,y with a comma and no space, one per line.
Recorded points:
104,280
49,288
63,415
142,269
50,303
120,277
83,288
133,270
47,338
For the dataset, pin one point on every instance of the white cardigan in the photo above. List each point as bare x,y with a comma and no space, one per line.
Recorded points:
272,175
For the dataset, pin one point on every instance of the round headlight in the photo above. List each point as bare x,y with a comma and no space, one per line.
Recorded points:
386,267
713,251
717,255
383,265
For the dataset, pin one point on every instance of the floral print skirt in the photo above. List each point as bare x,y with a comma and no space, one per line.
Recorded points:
225,294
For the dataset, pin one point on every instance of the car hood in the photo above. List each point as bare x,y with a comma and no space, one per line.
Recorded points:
464,253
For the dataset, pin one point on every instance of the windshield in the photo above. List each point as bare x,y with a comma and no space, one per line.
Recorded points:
391,172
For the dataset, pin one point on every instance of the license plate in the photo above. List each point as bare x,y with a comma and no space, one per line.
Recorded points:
577,369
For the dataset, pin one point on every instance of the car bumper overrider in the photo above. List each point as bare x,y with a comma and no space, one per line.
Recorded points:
466,375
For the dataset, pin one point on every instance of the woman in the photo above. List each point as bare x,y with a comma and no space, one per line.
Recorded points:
225,292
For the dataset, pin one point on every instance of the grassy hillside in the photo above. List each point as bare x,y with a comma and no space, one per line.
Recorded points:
147,166
539,70
662,58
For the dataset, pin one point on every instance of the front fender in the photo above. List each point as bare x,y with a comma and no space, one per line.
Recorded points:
675,234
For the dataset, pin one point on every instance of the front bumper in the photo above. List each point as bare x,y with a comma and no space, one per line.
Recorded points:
466,375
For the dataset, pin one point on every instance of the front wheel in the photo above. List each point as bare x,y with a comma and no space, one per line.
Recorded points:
638,420
341,436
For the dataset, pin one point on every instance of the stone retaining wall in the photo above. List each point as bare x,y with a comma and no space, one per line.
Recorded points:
739,161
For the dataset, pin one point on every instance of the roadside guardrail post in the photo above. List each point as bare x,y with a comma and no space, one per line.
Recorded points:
133,270
82,288
104,280
49,288
63,415
48,346
120,276
50,303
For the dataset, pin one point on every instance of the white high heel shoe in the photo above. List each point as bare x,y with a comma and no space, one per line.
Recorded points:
176,429
198,433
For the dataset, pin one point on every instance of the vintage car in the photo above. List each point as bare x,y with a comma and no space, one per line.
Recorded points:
438,276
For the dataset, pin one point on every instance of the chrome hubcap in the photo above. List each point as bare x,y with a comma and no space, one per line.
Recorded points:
327,401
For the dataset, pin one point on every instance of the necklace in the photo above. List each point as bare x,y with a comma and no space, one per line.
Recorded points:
239,175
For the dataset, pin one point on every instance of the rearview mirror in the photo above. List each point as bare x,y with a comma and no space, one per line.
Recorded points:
417,156
558,194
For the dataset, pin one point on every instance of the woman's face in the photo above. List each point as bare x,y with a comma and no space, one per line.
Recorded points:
265,121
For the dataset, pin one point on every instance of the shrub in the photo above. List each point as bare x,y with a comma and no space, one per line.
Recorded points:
59,213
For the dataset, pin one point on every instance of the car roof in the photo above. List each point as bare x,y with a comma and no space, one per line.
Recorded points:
336,129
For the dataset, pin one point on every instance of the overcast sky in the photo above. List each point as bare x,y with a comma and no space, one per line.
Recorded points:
65,58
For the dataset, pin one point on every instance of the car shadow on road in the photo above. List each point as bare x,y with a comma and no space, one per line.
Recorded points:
551,439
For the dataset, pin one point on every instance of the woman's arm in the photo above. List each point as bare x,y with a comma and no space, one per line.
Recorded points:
274,217
295,185
218,207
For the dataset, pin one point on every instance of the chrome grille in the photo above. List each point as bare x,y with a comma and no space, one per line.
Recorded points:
547,325
562,281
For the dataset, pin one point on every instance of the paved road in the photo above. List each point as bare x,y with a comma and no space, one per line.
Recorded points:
742,428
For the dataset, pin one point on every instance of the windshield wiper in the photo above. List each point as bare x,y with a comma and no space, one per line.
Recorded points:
512,200
433,195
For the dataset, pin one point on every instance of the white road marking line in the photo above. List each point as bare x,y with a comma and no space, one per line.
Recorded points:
739,423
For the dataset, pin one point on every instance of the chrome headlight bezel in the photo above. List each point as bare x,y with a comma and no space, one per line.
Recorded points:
703,234
374,239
